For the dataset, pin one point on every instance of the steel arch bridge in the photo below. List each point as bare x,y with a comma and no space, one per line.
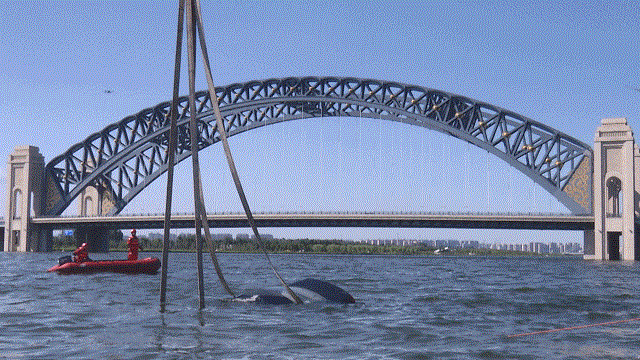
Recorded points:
123,158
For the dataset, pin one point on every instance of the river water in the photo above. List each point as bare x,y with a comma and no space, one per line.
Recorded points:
407,308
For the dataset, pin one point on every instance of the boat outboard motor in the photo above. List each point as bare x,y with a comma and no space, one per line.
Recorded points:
64,259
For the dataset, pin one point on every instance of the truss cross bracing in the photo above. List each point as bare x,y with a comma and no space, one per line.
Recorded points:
126,156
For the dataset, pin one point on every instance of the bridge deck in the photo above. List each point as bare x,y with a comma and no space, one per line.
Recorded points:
402,220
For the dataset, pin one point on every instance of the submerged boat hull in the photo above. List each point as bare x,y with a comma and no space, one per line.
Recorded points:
142,266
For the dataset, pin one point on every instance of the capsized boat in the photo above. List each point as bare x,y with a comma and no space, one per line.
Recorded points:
307,290
142,266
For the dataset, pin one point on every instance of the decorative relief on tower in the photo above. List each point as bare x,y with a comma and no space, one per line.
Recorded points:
579,186
613,133
108,201
53,196
16,174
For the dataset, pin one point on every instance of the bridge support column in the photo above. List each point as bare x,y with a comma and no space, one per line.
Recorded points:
97,238
94,200
25,179
589,244
614,186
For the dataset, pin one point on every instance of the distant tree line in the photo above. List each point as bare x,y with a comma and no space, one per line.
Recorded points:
187,243
68,242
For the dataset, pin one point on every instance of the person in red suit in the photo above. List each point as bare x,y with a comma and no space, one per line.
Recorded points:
134,245
81,254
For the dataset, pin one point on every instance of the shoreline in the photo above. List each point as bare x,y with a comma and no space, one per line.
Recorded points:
460,252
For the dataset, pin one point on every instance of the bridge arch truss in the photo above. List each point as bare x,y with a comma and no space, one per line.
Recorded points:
124,157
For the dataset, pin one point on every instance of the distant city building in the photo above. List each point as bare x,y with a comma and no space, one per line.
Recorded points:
537,247
442,243
263,236
470,244
429,243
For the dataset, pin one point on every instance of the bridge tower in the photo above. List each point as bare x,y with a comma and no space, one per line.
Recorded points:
25,179
94,200
615,186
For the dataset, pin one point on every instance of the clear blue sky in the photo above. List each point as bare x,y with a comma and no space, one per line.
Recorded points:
565,64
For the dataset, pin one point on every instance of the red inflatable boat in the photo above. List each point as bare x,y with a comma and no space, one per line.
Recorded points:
142,266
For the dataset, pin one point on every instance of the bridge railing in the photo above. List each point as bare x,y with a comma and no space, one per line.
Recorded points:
409,213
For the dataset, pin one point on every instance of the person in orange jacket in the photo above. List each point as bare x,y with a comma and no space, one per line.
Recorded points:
81,254
134,246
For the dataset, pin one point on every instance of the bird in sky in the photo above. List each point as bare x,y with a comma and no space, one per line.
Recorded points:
633,88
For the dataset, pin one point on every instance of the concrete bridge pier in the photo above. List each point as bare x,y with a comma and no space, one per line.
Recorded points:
94,200
97,238
589,245
42,238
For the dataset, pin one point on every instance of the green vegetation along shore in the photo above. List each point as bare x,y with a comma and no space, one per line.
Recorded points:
187,243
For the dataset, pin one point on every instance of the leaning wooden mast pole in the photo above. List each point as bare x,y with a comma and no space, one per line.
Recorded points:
194,140
171,151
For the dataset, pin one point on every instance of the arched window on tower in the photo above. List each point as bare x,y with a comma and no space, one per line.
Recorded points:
88,206
17,204
614,197
32,209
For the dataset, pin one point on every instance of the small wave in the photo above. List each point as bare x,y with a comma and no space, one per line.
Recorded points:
524,289
303,345
20,302
624,296
599,316
493,354
441,321
428,299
